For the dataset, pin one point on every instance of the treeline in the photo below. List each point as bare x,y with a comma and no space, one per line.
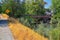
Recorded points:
24,7
18,7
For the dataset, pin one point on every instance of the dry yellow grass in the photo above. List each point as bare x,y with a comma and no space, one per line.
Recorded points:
21,32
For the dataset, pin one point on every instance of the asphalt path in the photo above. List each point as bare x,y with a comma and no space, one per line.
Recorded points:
5,33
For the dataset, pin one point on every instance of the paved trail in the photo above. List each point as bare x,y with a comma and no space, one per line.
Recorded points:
5,33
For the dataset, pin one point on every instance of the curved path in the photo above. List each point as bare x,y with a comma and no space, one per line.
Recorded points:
5,33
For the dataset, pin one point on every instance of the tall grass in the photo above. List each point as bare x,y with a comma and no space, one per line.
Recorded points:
54,34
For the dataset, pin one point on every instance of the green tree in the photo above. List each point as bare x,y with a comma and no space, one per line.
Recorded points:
34,7
56,7
0,8
15,7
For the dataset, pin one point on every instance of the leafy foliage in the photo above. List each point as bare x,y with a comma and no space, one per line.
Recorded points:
56,7
15,8
0,8
55,34
33,7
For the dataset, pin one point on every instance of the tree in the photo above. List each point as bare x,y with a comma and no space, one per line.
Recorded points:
0,8
34,7
56,7
15,7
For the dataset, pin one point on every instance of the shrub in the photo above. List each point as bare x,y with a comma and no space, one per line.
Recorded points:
54,34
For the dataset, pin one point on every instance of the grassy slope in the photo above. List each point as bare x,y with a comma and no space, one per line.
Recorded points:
21,32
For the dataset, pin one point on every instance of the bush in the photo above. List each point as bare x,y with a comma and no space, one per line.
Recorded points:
55,34
44,29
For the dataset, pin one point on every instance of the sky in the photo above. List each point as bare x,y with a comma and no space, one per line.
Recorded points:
48,3
0,0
